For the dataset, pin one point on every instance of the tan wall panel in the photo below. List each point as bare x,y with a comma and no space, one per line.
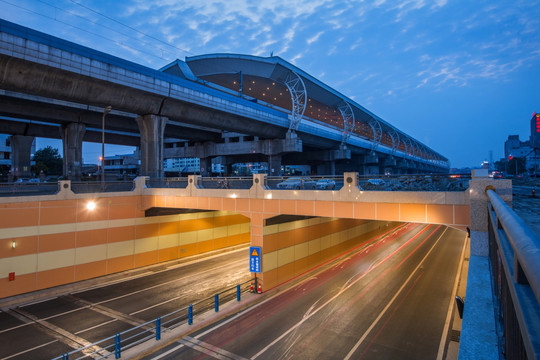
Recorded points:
168,241
269,279
90,270
90,254
56,259
24,264
146,245
187,238
269,260
121,249
301,250
21,284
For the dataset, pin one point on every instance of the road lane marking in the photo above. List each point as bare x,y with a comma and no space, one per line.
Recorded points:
451,305
368,331
28,350
333,298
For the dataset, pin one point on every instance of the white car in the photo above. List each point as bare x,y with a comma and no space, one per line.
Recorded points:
378,182
296,182
325,184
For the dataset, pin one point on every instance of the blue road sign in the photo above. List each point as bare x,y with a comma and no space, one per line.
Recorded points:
255,259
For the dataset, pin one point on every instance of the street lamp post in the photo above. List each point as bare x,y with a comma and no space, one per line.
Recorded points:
105,112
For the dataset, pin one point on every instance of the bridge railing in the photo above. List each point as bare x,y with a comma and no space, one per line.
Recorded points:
114,345
514,251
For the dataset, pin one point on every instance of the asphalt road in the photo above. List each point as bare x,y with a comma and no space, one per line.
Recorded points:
56,326
391,299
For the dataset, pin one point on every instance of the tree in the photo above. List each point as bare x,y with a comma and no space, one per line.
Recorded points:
516,166
48,160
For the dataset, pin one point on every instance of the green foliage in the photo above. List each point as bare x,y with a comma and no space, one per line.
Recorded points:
48,160
516,164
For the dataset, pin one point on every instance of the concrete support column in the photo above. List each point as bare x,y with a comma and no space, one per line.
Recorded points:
206,165
72,139
21,148
274,165
152,128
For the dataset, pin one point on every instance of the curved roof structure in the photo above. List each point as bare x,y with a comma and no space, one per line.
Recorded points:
278,84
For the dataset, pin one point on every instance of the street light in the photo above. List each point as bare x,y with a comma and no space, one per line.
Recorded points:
105,112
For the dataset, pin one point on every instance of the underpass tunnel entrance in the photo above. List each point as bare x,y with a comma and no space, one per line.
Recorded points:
292,245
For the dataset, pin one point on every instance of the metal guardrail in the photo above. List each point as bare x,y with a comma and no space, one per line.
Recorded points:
28,189
514,251
153,329
98,187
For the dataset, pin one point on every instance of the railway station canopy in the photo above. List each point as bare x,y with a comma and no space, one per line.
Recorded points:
274,82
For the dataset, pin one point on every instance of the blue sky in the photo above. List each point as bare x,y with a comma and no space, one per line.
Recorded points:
459,76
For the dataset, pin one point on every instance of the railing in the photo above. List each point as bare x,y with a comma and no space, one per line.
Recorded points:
28,189
514,251
116,344
96,186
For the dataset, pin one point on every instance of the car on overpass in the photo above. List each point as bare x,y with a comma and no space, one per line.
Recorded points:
296,182
325,184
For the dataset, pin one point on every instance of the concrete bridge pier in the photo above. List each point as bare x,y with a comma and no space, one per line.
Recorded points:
152,129
274,165
72,139
21,147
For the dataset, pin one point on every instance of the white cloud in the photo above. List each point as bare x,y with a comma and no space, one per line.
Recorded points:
314,38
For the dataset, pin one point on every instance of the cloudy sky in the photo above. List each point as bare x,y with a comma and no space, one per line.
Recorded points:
459,76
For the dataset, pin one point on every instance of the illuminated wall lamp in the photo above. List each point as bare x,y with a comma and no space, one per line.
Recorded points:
13,244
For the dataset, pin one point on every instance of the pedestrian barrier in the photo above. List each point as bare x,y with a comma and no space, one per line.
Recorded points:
514,251
116,344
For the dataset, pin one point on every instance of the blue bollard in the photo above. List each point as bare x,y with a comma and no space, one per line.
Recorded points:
65,356
190,315
216,302
237,292
158,328
117,347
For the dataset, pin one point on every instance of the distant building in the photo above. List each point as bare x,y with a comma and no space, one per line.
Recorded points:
128,164
530,150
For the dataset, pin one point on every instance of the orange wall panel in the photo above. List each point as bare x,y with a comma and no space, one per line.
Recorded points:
91,237
120,264
271,206
146,258
256,205
287,207
387,211
343,209
21,284
55,277
440,214
285,272
23,246
169,228
168,254
146,230
324,208
305,207
462,214
122,212
413,212
55,215
118,234
90,270
364,211
60,241
10,217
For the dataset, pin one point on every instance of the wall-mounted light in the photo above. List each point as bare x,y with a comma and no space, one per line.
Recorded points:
91,205
13,244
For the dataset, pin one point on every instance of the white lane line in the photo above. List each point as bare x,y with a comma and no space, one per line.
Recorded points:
368,331
96,326
451,305
28,350
209,349
260,304
329,301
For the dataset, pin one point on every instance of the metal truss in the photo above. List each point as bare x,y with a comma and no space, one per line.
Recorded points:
298,92
408,146
348,121
395,140
377,133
